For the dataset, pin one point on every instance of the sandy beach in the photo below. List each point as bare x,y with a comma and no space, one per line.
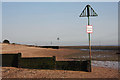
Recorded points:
61,54
97,72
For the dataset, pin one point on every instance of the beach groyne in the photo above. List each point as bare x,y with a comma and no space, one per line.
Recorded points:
15,60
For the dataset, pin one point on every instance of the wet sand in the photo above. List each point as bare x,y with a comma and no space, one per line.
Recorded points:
71,54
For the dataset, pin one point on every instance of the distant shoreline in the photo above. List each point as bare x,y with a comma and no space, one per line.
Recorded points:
92,47
81,47
75,47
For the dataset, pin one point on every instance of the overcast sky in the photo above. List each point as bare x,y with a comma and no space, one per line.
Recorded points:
41,23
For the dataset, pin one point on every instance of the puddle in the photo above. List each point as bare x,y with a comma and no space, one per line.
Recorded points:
95,50
107,64
95,56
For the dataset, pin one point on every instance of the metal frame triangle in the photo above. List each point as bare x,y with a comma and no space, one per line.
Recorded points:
88,11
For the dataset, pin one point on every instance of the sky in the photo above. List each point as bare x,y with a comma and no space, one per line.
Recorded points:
41,23
119,23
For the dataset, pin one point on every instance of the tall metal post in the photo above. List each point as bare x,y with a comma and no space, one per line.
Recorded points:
88,14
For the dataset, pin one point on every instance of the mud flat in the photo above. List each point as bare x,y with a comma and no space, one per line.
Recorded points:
62,53
106,64
93,47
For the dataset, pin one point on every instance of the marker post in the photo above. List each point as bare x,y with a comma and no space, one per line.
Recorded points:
87,12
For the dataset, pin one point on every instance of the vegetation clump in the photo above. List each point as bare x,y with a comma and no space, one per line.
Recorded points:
6,41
